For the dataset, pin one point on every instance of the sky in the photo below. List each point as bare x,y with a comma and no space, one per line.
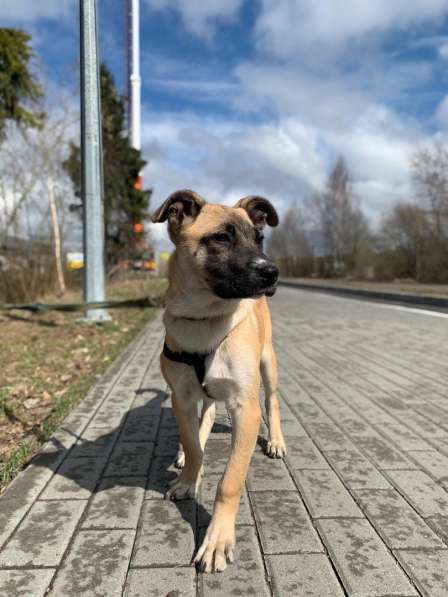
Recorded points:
261,96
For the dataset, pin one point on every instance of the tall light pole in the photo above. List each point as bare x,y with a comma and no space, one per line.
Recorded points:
91,164
134,78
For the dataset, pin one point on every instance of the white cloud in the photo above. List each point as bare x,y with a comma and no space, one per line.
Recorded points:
320,84
28,11
283,160
442,113
287,27
224,160
200,17
443,51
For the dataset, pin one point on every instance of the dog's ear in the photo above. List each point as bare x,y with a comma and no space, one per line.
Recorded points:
178,209
260,211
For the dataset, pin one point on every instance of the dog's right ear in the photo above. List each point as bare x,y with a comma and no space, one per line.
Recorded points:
178,209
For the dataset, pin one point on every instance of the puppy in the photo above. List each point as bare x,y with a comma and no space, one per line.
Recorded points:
218,343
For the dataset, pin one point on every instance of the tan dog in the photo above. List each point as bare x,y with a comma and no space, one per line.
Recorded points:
218,340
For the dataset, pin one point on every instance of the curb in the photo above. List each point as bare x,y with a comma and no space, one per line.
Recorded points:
416,300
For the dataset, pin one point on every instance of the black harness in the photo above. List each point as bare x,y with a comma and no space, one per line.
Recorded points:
194,359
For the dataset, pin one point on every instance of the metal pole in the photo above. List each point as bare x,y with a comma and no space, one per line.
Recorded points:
91,164
135,75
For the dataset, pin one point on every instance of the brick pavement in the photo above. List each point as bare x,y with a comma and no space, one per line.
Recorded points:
359,507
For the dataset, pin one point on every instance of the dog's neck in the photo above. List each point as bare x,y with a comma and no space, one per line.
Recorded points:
195,318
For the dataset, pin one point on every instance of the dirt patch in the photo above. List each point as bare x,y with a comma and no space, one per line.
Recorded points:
48,362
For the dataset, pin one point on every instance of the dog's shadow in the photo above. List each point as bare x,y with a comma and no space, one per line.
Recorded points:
120,458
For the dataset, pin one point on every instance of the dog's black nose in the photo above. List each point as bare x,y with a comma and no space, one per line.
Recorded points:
265,269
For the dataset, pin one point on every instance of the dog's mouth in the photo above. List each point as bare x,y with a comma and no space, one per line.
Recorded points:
231,291
271,290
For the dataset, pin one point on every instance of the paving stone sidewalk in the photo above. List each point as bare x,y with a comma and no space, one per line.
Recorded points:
359,507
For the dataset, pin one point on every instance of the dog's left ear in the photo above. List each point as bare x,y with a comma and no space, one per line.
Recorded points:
260,211
178,208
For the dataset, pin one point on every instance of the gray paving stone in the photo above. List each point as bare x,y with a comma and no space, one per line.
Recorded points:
76,478
384,455
19,497
155,582
363,562
95,565
94,443
166,446
427,497
325,495
440,444
303,575
246,576
327,435
129,459
395,520
363,393
75,422
54,521
216,454
355,470
283,523
440,525
21,583
421,425
428,570
166,534
402,436
268,474
303,454
116,504
434,463
162,474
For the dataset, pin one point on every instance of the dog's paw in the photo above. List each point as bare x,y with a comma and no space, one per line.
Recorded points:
182,489
180,459
218,546
276,448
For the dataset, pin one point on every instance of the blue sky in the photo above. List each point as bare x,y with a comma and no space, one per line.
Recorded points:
260,96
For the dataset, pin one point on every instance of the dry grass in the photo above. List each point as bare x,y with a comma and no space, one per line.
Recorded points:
48,362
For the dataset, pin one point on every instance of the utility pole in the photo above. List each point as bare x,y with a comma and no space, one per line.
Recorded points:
134,76
91,164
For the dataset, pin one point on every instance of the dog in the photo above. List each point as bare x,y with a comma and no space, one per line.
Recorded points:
218,345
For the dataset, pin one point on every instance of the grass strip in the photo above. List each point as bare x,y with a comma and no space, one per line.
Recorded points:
62,405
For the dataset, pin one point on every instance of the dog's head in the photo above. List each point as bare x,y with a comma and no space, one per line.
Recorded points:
224,245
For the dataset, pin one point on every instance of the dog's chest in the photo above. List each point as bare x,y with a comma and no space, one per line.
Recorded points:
224,378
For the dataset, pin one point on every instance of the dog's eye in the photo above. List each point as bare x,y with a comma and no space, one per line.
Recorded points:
222,237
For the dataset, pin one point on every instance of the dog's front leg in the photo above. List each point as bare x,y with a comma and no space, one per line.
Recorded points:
187,483
219,542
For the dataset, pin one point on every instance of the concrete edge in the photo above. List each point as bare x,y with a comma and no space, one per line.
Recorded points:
404,298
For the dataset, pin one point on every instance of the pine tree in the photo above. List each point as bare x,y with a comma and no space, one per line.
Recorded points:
17,84
124,204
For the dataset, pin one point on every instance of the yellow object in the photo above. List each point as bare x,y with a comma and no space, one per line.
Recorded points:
74,261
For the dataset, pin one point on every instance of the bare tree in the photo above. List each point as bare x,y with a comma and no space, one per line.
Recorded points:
342,225
34,188
404,236
430,178
289,245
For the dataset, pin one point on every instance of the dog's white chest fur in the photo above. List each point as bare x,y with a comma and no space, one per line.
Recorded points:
222,377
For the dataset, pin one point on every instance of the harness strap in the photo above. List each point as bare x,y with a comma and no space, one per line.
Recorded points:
193,359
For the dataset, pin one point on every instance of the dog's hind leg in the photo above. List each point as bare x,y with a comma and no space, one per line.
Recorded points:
187,483
276,447
208,415
207,419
